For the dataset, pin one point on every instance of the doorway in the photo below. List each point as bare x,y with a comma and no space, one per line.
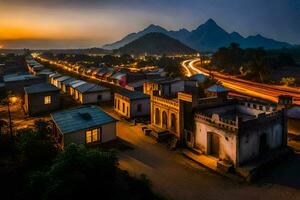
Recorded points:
213,144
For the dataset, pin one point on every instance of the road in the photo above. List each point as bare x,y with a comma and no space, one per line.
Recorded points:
178,178
249,88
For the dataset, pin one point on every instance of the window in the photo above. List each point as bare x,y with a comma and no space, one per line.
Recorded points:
118,104
139,107
47,99
99,97
123,107
92,136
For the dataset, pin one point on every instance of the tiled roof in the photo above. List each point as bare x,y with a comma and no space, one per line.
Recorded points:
80,118
40,88
133,95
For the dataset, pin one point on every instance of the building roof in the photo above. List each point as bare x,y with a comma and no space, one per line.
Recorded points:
67,81
217,88
77,83
19,77
63,78
133,95
294,112
198,77
118,76
40,88
81,118
91,87
139,83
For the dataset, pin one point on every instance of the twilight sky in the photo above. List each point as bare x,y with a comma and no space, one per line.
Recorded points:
89,23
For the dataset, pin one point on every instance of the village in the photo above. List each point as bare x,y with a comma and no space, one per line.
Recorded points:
194,123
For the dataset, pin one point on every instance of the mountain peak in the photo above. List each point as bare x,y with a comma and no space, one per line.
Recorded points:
210,21
154,28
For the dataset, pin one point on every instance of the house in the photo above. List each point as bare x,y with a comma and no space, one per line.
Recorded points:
60,80
74,85
53,78
92,93
165,87
237,132
64,84
130,104
119,78
40,98
16,82
136,86
83,125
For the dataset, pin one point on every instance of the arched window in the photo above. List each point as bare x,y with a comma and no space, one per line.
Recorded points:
164,119
173,121
157,116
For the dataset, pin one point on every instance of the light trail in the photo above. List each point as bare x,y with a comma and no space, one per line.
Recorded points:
246,87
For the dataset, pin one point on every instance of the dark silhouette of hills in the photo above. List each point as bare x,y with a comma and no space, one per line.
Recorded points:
156,43
206,37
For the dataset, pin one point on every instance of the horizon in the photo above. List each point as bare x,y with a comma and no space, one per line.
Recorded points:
63,24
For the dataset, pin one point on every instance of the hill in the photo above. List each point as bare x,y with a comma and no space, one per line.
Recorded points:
206,37
156,44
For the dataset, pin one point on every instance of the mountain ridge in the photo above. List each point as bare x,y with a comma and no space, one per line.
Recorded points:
206,37
156,43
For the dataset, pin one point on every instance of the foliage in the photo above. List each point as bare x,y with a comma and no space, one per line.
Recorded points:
288,81
256,64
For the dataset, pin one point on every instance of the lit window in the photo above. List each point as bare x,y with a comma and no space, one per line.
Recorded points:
92,136
47,99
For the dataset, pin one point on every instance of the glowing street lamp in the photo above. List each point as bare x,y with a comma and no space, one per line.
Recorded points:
10,100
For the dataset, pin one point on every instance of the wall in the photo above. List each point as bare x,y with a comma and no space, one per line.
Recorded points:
145,107
119,109
108,133
227,140
34,103
87,98
249,139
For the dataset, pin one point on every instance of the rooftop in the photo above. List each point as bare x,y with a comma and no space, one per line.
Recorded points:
217,88
18,77
63,78
40,88
81,118
133,95
91,87
294,112
198,77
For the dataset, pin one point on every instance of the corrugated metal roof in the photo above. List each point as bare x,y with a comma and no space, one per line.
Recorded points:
80,118
40,88
63,78
91,87
133,95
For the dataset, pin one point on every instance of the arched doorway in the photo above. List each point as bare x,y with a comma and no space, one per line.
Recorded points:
173,122
157,116
164,120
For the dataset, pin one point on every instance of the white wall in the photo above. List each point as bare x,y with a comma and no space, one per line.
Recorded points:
227,140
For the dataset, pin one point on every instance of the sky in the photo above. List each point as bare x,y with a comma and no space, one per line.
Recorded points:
93,23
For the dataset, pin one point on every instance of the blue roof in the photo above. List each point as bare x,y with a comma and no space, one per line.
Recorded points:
80,118
217,88
40,88
198,77
133,95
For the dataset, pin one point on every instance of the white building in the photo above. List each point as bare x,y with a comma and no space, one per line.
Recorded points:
130,104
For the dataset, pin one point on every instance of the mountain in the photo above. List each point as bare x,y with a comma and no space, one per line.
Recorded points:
206,37
133,36
156,43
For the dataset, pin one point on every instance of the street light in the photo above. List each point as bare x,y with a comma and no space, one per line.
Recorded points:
10,100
